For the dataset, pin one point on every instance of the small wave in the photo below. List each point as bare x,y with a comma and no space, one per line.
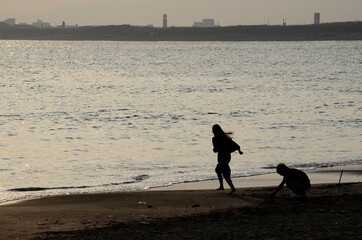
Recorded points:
136,179
10,115
34,189
268,167
310,166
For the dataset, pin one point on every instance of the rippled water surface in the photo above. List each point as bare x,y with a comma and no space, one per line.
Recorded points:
121,116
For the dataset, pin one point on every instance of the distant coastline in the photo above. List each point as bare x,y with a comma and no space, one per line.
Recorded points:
319,32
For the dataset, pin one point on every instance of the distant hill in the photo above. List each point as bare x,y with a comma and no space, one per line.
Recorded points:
327,31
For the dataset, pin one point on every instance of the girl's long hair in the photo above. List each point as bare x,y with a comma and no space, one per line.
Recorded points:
217,130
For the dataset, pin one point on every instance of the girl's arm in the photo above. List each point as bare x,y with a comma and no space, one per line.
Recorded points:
214,144
237,147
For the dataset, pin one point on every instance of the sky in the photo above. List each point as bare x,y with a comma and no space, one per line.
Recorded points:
179,12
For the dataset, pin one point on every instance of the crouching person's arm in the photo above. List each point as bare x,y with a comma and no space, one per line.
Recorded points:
280,187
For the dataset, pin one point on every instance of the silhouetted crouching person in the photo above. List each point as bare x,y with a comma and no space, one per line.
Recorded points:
296,180
223,145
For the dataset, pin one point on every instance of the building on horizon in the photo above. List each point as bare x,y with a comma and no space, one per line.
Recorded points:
41,24
205,23
284,22
63,25
10,21
164,21
317,18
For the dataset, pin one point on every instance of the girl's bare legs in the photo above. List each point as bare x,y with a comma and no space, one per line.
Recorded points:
219,176
220,181
228,180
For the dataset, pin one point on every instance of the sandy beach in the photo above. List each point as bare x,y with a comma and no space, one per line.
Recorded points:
197,211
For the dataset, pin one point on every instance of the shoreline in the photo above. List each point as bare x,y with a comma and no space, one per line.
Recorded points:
327,175
106,214
324,175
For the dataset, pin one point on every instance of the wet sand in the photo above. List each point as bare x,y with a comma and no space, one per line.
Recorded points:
332,211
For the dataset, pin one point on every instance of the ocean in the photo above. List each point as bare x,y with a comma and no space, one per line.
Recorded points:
102,116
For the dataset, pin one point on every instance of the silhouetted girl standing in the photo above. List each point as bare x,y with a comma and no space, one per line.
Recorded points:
224,145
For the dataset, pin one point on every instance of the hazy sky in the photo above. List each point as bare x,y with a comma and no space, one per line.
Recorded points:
179,12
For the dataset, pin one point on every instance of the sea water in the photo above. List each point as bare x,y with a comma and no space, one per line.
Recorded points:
88,116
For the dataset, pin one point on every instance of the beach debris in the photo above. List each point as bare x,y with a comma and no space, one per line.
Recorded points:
322,210
142,203
84,222
196,205
144,223
140,178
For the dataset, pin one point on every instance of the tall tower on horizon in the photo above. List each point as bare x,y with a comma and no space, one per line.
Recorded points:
164,21
317,18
